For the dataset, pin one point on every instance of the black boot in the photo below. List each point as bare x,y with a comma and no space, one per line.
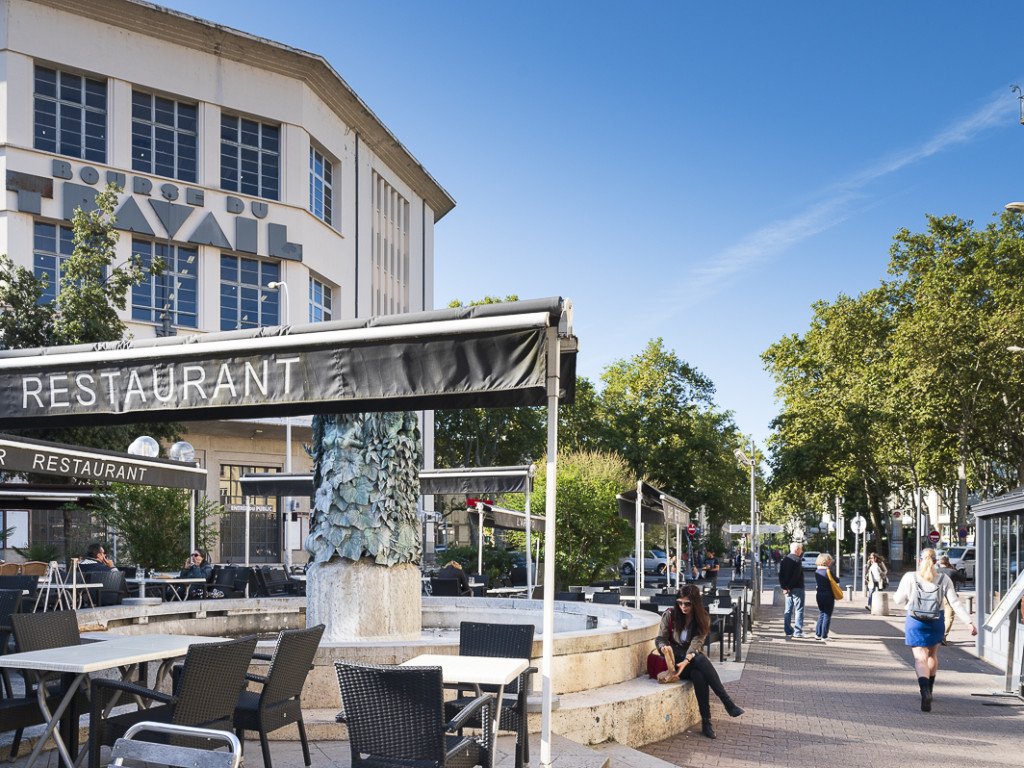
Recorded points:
731,707
926,694
707,729
931,683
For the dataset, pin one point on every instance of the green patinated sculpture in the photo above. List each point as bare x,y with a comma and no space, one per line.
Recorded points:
366,475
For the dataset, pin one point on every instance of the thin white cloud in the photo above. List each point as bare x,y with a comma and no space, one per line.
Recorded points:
833,203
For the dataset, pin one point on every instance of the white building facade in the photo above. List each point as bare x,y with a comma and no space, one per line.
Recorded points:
270,191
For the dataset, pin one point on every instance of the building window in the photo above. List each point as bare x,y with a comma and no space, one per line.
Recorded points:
390,246
70,115
164,136
321,186
174,293
249,157
245,299
52,245
320,301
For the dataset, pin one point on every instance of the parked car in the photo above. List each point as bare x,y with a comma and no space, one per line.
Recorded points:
808,560
963,559
655,561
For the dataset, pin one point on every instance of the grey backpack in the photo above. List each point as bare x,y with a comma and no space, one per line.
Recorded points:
925,605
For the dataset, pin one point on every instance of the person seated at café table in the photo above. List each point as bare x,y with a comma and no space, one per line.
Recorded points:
196,567
453,570
95,560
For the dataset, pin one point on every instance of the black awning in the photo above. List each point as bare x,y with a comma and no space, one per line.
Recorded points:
466,480
432,481
656,507
21,454
489,355
277,484
39,496
509,519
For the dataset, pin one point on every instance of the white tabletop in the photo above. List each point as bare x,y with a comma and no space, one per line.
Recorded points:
115,652
157,580
719,610
507,591
478,670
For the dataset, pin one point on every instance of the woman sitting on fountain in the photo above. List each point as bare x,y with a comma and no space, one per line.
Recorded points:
681,641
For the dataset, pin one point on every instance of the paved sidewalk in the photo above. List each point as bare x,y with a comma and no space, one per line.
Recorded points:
854,701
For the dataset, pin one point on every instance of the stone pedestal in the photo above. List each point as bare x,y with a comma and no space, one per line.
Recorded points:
364,601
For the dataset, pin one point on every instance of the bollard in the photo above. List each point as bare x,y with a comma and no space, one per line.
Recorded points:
880,604
849,593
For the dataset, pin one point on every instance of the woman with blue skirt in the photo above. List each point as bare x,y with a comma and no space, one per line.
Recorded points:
922,591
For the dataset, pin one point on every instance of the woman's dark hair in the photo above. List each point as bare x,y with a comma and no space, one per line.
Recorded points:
201,551
700,615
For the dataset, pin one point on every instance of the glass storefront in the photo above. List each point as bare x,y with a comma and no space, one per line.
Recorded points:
264,519
1003,535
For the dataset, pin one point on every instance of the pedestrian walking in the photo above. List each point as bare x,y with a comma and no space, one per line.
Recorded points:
791,579
922,592
823,595
876,577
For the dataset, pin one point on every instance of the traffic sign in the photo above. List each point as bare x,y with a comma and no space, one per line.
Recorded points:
962,533
933,537
691,529
858,525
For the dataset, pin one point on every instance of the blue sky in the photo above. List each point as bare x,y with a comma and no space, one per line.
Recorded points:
702,172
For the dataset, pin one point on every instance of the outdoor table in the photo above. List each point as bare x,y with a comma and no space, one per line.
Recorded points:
716,610
142,583
69,595
507,591
80,660
475,671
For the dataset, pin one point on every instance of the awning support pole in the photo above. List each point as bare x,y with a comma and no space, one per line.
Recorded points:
549,546
529,553
480,537
638,543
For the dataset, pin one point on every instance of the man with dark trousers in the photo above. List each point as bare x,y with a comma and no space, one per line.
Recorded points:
791,579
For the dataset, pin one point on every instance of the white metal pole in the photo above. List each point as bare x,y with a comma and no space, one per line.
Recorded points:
637,545
287,515
191,521
679,543
480,537
753,530
247,515
549,547
529,553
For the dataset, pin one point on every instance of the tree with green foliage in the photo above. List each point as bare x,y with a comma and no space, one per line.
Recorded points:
910,385
658,413
90,292
153,523
590,534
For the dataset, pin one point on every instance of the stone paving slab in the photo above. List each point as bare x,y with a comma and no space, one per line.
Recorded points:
854,700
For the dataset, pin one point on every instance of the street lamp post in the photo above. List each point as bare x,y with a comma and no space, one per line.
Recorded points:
287,517
754,554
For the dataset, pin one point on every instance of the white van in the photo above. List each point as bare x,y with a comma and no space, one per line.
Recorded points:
962,559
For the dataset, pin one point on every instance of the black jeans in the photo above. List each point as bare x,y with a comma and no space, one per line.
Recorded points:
702,673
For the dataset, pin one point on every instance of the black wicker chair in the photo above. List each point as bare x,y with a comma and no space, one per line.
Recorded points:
22,584
513,641
279,702
10,602
114,589
205,695
395,717
444,587
39,632
608,598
